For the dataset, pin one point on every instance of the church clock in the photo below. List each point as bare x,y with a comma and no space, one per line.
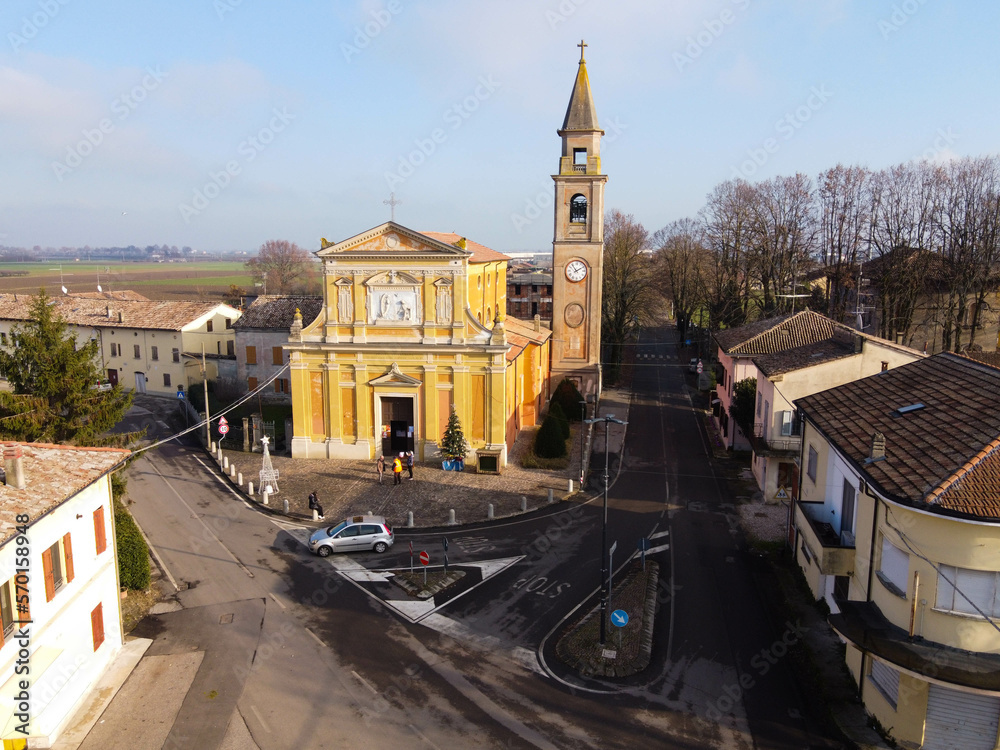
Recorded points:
576,270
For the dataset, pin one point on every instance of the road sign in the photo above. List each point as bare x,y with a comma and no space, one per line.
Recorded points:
180,395
700,367
223,429
619,617
223,422
613,548
425,559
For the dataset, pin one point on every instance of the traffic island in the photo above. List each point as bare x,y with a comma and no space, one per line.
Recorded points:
437,581
627,649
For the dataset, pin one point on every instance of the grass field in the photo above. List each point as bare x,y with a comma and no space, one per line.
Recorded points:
208,280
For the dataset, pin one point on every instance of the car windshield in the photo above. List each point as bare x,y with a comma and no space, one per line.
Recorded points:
334,529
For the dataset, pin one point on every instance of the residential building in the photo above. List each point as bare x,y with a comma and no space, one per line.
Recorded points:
529,293
260,335
784,376
57,545
147,346
897,529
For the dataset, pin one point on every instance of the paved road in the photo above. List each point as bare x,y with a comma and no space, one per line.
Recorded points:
272,647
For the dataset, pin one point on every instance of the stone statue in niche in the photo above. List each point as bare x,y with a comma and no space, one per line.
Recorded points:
385,305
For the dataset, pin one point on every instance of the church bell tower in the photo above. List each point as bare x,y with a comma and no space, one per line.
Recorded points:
578,243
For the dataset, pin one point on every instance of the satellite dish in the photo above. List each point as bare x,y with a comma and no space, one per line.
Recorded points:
65,290
99,288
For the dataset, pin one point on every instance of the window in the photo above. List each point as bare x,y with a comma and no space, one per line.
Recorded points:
580,156
57,566
251,355
578,209
137,351
231,348
208,326
847,507
252,384
276,355
885,366
166,378
788,423
100,537
154,353
6,608
972,592
886,679
894,568
176,354
114,350
3,338
760,399
811,464
229,323
97,625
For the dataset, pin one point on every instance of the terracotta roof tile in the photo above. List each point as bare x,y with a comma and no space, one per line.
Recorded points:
480,253
273,311
775,334
801,357
161,315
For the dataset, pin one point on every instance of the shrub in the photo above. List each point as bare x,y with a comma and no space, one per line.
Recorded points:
133,554
549,442
557,412
568,398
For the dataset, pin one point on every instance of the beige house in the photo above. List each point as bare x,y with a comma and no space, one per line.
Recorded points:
146,345
897,528
784,376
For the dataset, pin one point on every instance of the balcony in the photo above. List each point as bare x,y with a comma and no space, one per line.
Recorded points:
834,552
776,444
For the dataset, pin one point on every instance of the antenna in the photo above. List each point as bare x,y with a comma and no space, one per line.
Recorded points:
61,284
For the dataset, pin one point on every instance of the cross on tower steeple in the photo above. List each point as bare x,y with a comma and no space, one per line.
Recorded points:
581,45
392,203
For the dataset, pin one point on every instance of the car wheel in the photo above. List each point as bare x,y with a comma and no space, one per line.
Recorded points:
380,547
324,551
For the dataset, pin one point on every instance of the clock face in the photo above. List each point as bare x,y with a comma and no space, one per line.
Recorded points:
576,270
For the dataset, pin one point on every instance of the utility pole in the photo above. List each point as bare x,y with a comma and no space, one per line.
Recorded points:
204,380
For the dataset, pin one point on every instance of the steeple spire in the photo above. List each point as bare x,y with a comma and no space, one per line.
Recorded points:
581,114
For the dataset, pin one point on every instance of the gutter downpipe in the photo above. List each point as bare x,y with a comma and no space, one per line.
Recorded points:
868,593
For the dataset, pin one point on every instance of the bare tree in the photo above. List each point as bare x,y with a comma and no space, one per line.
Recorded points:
282,267
628,293
682,262
727,219
843,228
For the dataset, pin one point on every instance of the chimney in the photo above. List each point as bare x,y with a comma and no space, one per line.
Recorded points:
538,323
121,318
878,446
109,312
859,344
899,337
13,465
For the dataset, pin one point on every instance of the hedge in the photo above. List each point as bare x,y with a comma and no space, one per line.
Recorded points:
549,441
133,554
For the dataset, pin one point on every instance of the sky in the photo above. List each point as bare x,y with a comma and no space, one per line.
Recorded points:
221,124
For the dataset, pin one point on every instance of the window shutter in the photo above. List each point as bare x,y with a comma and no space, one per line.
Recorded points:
50,584
277,355
68,554
887,680
251,355
99,535
97,625
895,565
252,383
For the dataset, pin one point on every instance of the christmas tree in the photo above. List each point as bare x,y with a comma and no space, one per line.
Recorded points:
453,442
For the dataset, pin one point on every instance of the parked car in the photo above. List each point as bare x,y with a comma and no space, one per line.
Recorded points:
693,364
357,533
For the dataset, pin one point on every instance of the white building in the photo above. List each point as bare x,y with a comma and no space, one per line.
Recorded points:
57,545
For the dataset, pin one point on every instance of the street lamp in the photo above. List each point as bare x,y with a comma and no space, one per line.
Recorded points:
583,447
607,419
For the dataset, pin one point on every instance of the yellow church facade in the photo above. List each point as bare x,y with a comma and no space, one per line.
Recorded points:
413,326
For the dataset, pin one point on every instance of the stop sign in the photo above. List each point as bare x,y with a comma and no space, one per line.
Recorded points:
425,559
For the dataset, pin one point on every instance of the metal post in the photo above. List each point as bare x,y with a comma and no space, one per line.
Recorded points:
583,447
204,380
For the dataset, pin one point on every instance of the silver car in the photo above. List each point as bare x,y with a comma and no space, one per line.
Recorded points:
357,533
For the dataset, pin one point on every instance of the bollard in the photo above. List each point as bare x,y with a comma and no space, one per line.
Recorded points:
315,514
225,463
266,495
249,488
409,519
451,517
524,503
570,485
212,446
232,471
239,480
489,511
286,506
219,452
552,496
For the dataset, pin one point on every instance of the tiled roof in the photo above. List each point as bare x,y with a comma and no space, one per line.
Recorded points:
775,334
927,446
480,253
53,474
520,334
975,488
801,357
272,311
987,358
124,294
160,315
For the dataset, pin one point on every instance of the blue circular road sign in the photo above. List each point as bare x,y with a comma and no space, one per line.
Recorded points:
619,617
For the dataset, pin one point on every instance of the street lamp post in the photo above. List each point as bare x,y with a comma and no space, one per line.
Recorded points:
583,447
607,419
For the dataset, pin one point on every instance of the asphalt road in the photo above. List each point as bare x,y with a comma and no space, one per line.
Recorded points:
296,651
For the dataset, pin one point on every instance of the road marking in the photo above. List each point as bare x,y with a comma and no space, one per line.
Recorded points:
198,518
362,680
277,601
421,736
315,637
658,534
159,559
260,719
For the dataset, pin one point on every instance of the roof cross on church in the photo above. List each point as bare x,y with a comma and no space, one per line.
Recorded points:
581,45
392,203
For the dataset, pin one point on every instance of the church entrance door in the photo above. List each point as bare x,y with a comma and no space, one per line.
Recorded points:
397,425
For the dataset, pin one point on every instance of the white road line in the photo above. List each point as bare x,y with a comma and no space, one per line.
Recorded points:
315,637
277,601
363,681
159,559
260,719
673,598
199,519
421,736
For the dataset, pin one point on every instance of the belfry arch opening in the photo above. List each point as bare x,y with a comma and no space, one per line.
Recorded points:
578,209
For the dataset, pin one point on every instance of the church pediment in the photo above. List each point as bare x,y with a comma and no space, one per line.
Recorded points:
390,239
394,377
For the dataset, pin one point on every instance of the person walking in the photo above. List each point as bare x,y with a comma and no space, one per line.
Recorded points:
409,463
397,469
380,467
314,505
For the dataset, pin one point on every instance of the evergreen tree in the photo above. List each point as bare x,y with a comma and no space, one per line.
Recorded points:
453,443
568,397
549,440
52,377
557,413
742,408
